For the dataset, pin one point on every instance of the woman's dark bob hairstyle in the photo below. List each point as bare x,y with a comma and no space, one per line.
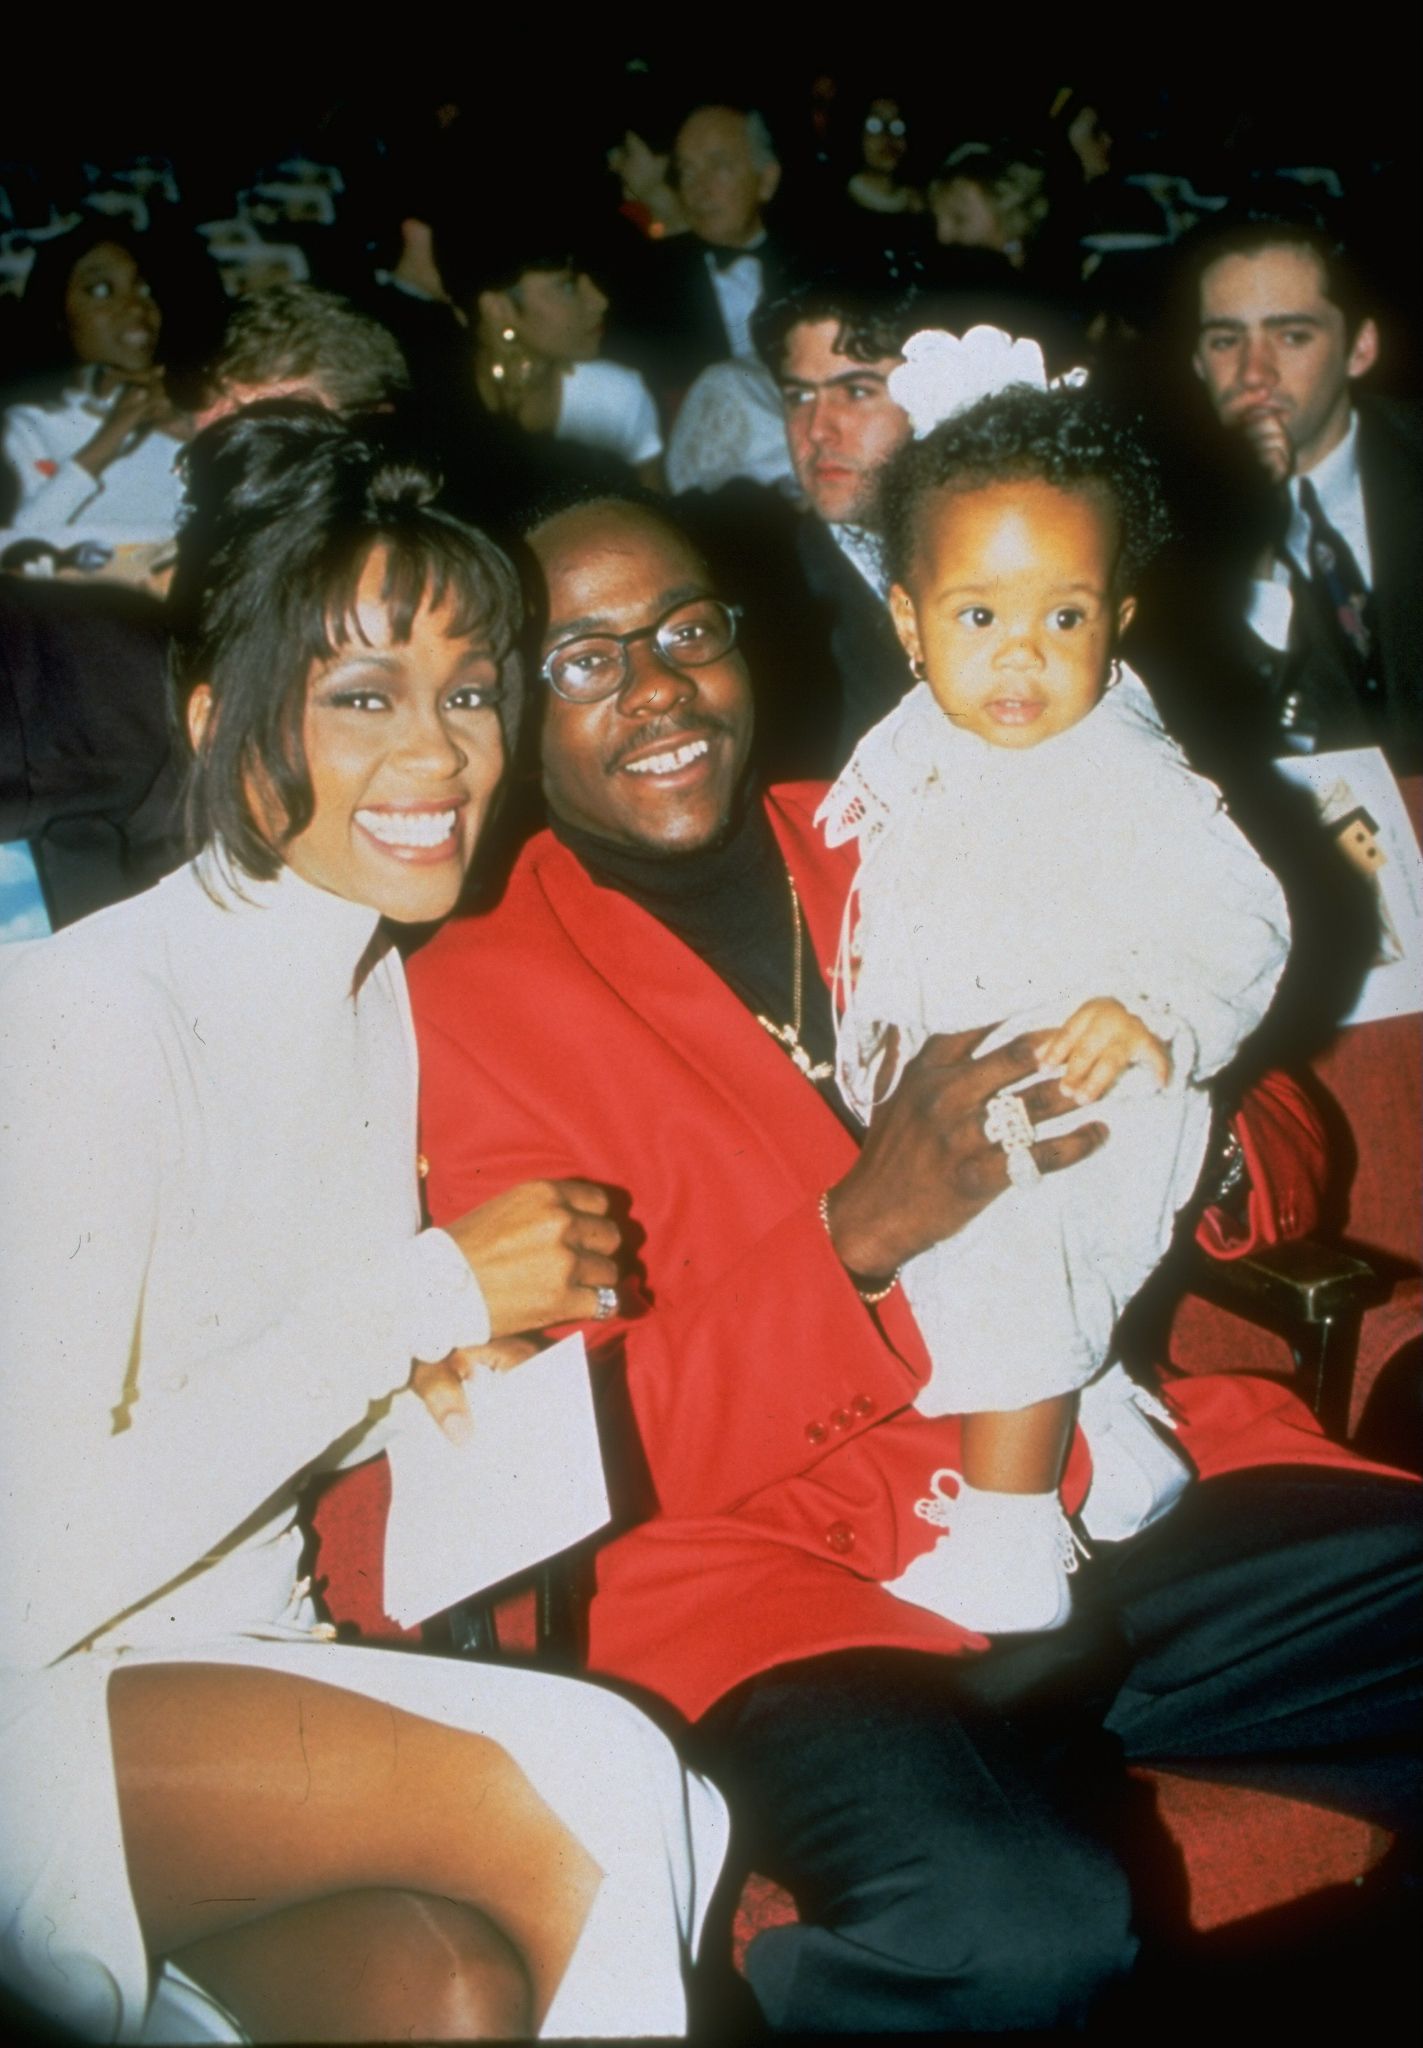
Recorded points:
1022,435
287,507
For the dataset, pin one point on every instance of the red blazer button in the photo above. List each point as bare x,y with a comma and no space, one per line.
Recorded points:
863,1405
816,1432
840,1537
841,1418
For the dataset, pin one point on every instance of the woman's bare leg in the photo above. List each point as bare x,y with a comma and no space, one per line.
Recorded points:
244,1793
1019,1450
372,1965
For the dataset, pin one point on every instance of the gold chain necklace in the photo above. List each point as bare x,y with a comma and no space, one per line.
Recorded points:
788,1035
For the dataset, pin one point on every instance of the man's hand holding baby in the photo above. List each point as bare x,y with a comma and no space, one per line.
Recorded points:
1097,1044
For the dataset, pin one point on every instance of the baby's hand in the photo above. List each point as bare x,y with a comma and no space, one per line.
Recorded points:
1097,1044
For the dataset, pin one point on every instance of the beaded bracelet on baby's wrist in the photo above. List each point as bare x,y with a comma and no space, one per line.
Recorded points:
868,1295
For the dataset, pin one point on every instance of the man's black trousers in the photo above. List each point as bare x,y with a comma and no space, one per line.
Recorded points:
954,1829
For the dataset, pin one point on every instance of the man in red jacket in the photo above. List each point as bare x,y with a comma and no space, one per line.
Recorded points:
648,1007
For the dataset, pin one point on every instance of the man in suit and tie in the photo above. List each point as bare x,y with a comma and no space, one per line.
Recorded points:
702,288
1283,336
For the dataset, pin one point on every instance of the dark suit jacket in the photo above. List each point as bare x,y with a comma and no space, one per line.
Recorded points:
871,668
1220,690
91,767
673,328
824,658
1313,667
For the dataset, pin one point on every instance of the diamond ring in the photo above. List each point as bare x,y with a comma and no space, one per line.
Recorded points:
1006,1123
607,1303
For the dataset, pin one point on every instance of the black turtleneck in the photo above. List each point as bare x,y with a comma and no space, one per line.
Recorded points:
731,904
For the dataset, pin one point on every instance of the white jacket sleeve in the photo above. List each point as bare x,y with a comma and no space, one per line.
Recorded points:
121,1470
1215,931
53,490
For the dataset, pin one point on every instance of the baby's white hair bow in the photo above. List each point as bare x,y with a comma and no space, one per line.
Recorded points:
942,374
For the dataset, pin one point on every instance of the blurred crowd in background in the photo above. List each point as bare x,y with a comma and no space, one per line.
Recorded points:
552,273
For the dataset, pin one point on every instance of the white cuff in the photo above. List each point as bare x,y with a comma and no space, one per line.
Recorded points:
442,1305
1165,1022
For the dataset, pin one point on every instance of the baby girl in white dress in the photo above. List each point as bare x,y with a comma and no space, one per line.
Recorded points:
1036,855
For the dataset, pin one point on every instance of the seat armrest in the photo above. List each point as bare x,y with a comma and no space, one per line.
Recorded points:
1301,1279
1313,1295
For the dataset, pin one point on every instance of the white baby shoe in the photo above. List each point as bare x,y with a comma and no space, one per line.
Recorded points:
1004,1566
1136,1474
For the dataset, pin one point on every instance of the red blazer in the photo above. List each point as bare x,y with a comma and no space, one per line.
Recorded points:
568,1033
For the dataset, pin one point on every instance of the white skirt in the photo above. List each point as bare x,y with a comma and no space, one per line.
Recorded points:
70,1941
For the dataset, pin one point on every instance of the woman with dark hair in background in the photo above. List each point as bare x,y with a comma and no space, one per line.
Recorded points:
92,457
878,185
215,1282
536,320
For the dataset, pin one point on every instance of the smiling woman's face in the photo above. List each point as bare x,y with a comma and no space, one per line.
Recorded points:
404,750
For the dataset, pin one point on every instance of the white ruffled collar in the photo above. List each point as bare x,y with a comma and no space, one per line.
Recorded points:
916,746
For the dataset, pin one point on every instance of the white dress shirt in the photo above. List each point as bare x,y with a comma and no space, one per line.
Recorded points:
858,545
738,291
1340,489
609,407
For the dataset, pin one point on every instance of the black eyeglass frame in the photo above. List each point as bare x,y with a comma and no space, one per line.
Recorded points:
623,641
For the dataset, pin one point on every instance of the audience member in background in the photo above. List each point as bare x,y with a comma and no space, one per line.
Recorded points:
92,461
730,427
91,771
1078,119
648,199
1283,335
878,186
535,322
293,341
407,293
986,197
831,346
701,292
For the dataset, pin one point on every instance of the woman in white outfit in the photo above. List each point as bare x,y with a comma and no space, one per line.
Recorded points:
215,1281
96,459
536,321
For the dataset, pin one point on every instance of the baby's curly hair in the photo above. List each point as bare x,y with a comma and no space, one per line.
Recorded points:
1020,435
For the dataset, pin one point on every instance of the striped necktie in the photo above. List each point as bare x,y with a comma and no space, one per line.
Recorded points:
1336,576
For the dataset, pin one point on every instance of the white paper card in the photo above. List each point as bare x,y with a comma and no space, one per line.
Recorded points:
1362,809
527,1484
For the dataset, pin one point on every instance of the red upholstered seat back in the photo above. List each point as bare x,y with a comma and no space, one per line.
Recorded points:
1368,1087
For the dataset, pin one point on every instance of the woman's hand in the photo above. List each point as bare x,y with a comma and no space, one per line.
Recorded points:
441,1385
540,1253
141,406
1098,1043
927,1168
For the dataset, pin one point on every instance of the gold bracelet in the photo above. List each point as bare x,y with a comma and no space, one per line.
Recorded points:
868,1295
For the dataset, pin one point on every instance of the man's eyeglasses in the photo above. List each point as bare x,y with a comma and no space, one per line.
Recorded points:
875,126
689,636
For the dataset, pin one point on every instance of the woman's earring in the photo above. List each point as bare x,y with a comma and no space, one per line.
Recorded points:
497,370
918,670
1114,675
